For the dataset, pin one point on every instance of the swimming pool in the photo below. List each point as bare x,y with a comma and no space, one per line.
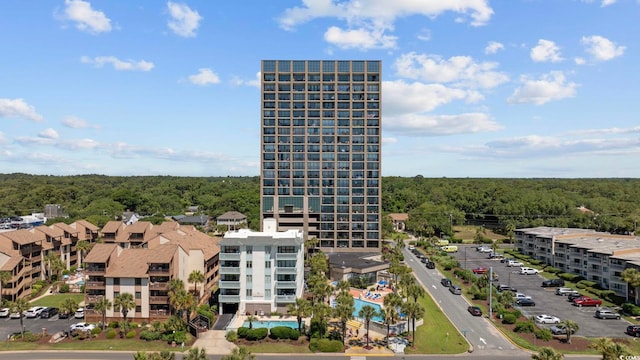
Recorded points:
272,323
360,303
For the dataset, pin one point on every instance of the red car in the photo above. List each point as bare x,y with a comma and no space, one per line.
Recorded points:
480,270
586,301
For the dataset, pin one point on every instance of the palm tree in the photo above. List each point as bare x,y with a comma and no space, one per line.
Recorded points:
175,285
250,320
55,263
632,277
69,306
367,312
196,277
390,316
571,327
124,302
344,311
183,302
414,311
309,245
547,353
343,286
321,312
196,354
20,306
415,291
83,246
609,349
239,353
5,276
393,300
102,306
300,309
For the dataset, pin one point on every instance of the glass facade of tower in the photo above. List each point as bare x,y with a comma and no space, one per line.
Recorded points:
321,150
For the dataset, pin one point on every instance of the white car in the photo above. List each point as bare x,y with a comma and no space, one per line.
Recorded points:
485,250
83,326
34,312
514,263
79,313
4,312
519,296
528,271
15,315
547,319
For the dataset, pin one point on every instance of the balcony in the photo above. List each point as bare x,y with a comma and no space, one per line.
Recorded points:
286,256
229,284
95,285
286,270
95,271
159,286
158,299
229,298
230,256
286,284
285,298
229,270
154,270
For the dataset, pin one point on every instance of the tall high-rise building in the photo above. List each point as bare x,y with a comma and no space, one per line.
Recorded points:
321,151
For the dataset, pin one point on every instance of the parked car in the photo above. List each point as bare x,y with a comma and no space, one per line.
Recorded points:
503,287
547,319
474,310
514,263
606,313
573,295
79,313
485,249
519,296
411,247
4,312
82,326
424,260
480,270
63,315
553,283
560,330
455,289
445,282
564,291
49,312
633,330
15,315
494,255
526,302
528,271
586,301
431,265
33,312
505,260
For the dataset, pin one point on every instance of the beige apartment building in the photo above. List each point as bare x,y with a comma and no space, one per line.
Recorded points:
596,256
141,259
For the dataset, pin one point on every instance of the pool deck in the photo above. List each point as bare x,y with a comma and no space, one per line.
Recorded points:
362,295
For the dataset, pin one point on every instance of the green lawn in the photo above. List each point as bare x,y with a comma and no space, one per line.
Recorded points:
437,335
56,300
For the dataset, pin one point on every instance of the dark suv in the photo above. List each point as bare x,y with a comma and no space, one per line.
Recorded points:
445,282
553,283
49,312
633,330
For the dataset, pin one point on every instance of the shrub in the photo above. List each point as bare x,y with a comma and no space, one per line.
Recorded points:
552,270
570,277
587,283
64,288
544,334
242,332
96,330
631,309
114,324
509,319
525,327
232,336
131,334
284,332
111,334
180,337
149,335
325,345
257,334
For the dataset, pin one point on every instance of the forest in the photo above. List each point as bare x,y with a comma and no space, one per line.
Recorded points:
434,205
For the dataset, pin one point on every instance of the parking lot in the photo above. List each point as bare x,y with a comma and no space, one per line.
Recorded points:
35,325
547,302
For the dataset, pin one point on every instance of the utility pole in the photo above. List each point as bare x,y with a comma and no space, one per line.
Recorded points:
490,292
451,223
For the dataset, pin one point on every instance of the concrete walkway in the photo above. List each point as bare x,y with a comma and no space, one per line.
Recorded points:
214,342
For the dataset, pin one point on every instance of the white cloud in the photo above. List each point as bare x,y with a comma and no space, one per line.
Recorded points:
184,21
49,134
75,122
607,131
601,48
550,87
402,97
546,51
18,108
493,47
389,140
128,65
359,38
204,77
237,81
580,61
419,125
86,18
458,70
424,35
608,2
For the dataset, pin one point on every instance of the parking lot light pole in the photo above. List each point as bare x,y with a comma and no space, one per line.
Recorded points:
465,258
490,292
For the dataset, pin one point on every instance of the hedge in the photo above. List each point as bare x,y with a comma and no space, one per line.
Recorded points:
131,334
509,319
631,309
149,335
257,334
325,345
544,334
570,277
284,332
111,334
242,332
525,326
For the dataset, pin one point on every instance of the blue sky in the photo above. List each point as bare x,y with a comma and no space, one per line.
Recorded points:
471,88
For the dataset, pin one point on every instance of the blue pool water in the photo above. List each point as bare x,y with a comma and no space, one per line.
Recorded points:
272,323
360,303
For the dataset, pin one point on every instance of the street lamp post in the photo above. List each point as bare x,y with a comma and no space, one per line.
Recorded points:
465,258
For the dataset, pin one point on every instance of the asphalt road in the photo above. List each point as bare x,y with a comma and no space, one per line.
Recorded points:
35,325
484,337
547,302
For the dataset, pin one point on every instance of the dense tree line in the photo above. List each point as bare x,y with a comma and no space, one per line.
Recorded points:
434,204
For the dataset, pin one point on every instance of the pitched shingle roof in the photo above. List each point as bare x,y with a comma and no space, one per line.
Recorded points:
100,253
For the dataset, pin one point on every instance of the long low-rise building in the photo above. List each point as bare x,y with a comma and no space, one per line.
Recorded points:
596,256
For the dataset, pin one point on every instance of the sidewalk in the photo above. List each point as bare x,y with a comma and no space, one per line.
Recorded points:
214,342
